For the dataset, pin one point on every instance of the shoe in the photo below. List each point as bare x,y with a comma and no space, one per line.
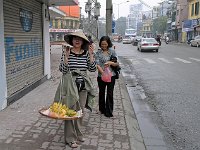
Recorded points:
99,112
81,140
108,115
72,144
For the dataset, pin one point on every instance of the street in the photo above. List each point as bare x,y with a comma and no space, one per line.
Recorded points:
164,89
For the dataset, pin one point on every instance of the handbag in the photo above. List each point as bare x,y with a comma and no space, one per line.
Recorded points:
80,83
116,69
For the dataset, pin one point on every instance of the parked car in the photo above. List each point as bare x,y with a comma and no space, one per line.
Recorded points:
148,44
189,41
136,40
196,41
126,40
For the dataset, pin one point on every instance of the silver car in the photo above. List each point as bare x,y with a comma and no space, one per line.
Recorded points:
195,41
126,40
148,44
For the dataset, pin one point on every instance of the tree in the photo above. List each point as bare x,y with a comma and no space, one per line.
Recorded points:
159,25
120,25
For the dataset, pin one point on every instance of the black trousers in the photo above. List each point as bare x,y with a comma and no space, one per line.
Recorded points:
106,106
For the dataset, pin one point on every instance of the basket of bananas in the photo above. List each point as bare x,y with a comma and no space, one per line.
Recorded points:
61,111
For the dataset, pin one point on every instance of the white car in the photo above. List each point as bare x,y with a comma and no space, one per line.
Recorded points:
195,41
148,44
126,40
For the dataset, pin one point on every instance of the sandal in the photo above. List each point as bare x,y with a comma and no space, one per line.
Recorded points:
72,144
81,139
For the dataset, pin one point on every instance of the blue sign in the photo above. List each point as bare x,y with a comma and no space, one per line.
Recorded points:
113,24
113,30
26,19
187,24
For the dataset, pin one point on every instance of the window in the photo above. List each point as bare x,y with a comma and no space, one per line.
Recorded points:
192,10
196,8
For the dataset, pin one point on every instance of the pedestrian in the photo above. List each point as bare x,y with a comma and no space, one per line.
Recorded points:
77,60
158,40
103,60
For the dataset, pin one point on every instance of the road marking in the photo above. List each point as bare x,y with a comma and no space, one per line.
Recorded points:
143,96
134,61
194,59
182,60
149,60
165,60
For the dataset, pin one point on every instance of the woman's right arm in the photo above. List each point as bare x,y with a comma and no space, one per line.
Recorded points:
98,63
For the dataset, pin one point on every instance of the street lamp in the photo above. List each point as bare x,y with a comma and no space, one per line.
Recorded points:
118,6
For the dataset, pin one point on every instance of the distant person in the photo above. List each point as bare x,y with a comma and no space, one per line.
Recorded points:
158,39
167,40
103,59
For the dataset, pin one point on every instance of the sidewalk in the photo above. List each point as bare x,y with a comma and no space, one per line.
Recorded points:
23,128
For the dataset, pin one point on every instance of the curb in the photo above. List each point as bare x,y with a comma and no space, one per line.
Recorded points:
134,132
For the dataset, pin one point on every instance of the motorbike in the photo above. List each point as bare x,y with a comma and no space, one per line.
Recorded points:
166,41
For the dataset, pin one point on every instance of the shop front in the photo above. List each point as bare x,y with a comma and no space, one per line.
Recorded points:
24,46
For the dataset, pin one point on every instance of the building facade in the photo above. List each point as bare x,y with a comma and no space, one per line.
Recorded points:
24,47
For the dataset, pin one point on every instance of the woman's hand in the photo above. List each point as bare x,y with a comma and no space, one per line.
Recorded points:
66,49
91,53
108,63
91,50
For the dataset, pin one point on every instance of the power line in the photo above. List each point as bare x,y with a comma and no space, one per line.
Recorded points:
145,4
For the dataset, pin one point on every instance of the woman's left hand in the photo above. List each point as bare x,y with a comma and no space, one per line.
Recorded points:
91,50
108,63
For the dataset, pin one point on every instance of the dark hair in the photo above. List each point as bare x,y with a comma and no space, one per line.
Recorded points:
89,37
107,39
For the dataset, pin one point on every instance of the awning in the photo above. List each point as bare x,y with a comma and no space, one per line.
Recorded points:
55,12
59,2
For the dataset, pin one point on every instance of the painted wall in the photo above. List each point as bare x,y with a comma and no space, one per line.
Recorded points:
72,11
182,7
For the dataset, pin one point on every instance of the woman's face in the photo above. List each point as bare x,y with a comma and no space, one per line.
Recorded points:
104,45
77,42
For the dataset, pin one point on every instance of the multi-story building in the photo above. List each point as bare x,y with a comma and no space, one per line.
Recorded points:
147,28
181,15
164,7
135,16
193,18
155,12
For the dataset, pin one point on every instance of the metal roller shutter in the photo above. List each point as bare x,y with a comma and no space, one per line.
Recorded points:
23,43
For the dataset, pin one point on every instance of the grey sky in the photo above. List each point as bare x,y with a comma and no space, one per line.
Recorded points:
123,7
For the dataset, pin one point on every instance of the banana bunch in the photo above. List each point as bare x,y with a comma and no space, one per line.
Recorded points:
62,110
71,113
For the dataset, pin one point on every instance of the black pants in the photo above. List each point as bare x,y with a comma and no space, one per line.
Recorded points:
106,106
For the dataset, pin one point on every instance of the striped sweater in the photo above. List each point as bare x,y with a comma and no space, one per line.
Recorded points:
77,61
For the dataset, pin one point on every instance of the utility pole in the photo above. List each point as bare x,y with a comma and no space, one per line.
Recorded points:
92,7
109,17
